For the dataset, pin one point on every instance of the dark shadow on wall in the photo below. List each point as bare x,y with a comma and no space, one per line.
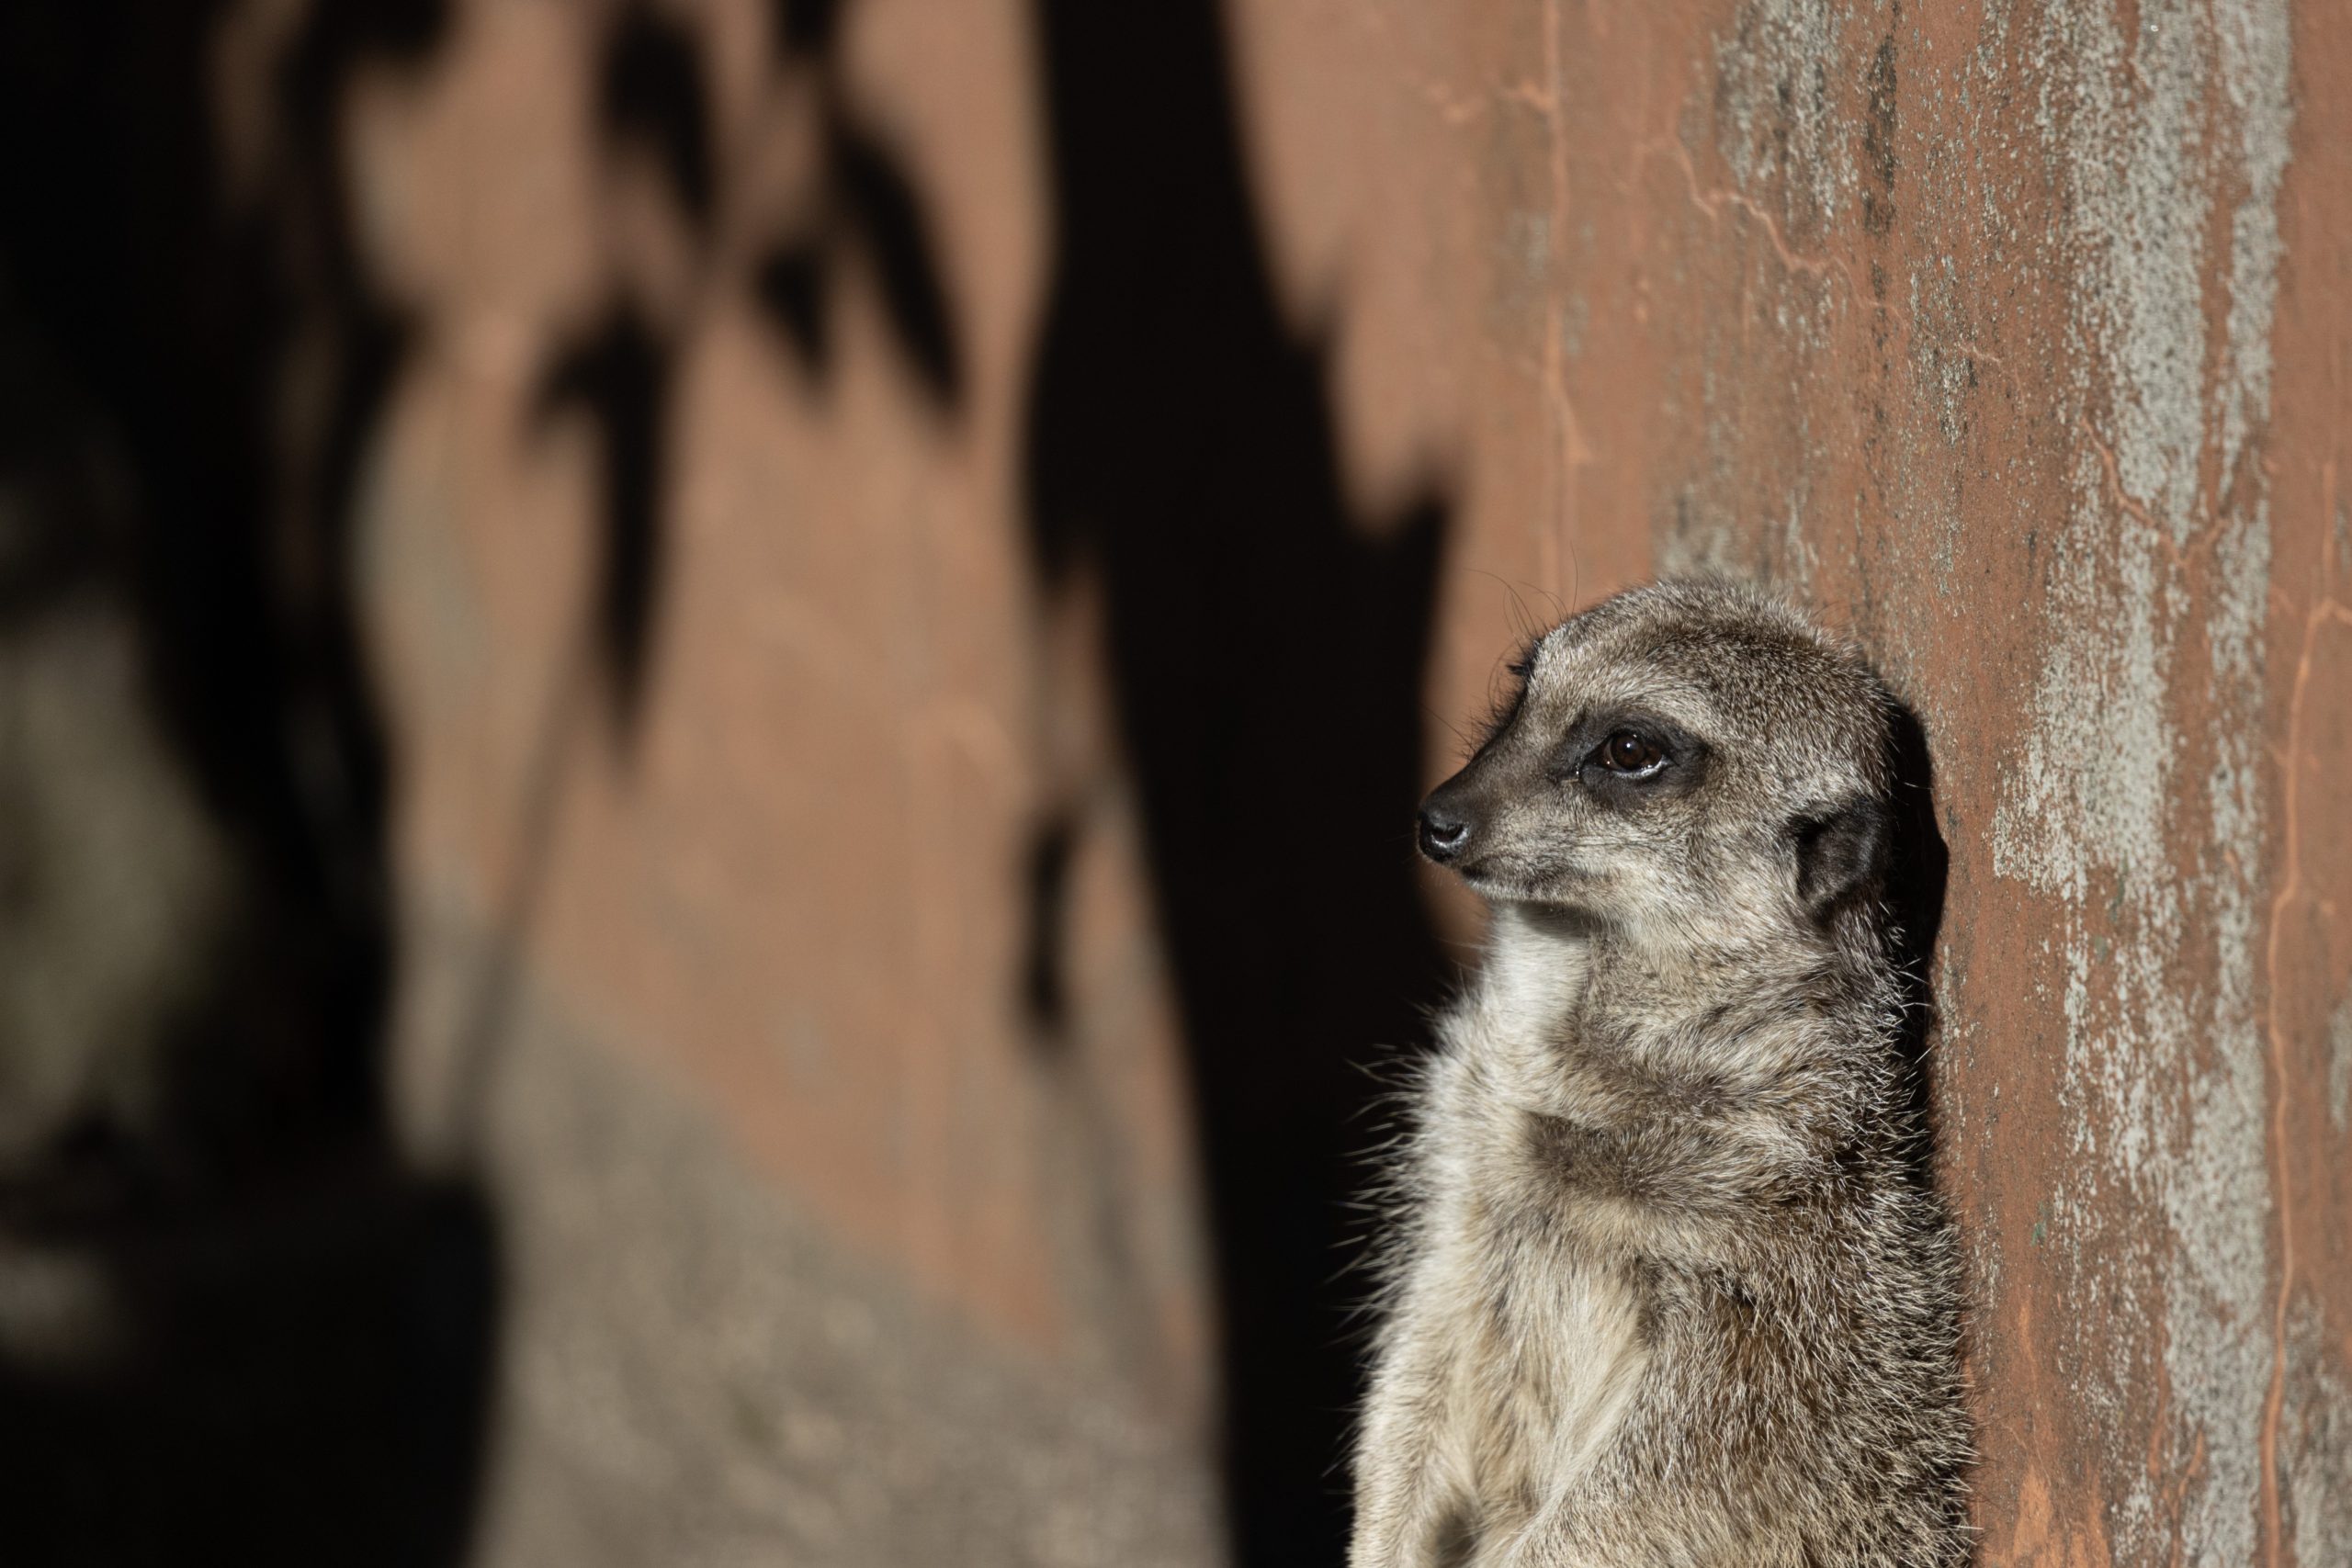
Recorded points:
279,1337
862,211
653,100
293,1334
1266,652
1918,868
618,372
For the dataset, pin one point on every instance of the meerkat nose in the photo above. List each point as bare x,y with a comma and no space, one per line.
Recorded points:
1444,830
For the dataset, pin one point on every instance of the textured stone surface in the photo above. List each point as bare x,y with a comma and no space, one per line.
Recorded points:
2011,338
694,1373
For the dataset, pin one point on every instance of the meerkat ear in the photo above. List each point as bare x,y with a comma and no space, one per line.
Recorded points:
1839,850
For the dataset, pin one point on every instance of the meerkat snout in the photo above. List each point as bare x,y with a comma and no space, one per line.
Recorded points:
1669,1286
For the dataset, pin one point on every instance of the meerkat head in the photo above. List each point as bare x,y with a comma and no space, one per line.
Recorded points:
1685,760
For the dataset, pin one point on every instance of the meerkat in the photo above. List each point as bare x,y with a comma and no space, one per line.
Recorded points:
1670,1287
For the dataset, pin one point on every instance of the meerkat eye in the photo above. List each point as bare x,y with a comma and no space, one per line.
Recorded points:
1631,753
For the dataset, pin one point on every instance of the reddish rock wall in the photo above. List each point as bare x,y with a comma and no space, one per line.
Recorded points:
1070,445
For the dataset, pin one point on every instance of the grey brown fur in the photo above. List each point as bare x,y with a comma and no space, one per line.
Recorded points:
1670,1287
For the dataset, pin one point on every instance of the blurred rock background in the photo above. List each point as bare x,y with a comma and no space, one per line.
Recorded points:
709,711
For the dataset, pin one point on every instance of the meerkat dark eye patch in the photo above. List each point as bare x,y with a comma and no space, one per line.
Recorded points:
1625,757
1839,851
1629,753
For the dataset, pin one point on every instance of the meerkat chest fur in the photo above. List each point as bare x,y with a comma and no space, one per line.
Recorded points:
1555,1133
1549,1322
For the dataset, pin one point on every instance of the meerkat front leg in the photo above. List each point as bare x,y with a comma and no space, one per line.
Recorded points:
1410,1502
